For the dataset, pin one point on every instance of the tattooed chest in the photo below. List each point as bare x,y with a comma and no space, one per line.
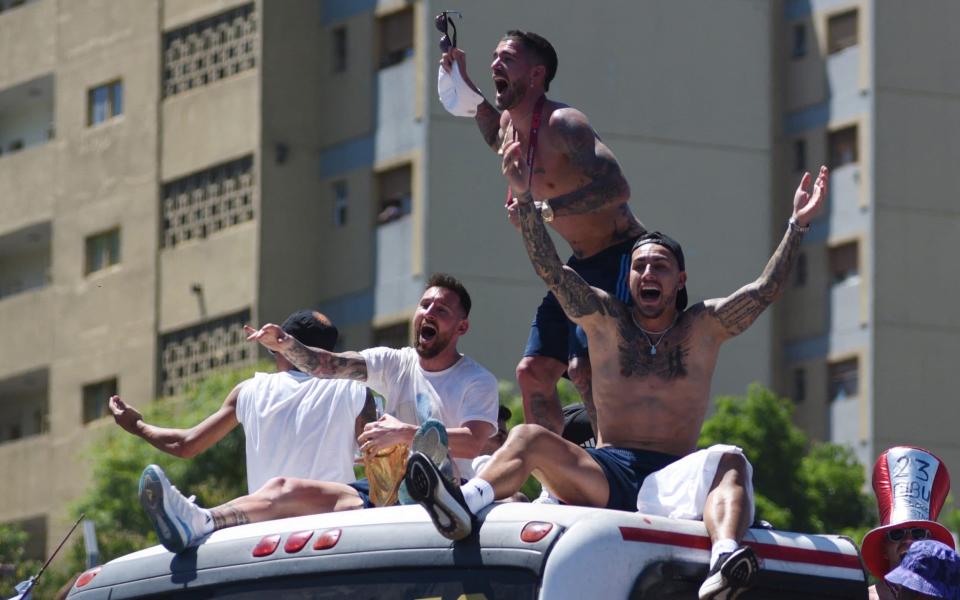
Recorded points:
638,358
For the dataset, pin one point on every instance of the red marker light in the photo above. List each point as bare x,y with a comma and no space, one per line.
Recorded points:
87,577
327,539
267,546
297,541
534,531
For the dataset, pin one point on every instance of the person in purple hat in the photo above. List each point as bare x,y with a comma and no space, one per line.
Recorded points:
929,569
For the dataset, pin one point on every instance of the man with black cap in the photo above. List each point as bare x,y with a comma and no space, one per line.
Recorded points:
294,424
653,362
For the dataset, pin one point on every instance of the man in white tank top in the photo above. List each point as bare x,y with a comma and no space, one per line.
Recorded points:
461,394
295,425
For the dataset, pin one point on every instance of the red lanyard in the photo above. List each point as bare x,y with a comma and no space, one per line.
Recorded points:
531,145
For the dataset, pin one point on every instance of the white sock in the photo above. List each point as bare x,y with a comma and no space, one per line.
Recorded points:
205,525
477,493
720,547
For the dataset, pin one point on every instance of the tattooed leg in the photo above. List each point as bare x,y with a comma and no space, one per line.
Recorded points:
538,376
228,515
582,377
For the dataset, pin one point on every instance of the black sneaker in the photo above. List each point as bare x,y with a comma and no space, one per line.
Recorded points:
442,499
731,576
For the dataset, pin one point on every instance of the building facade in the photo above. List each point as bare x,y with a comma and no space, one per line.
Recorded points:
173,169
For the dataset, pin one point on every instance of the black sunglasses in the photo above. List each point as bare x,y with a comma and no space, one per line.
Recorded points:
443,22
917,533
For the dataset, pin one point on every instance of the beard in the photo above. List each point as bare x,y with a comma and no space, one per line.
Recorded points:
513,95
437,345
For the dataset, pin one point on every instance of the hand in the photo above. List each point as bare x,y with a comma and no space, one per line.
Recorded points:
806,206
515,168
513,212
125,415
271,337
385,432
456,54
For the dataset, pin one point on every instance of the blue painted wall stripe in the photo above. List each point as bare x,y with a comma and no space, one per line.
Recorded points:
345,157
338,10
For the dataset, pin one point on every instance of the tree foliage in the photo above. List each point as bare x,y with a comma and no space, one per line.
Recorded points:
14,568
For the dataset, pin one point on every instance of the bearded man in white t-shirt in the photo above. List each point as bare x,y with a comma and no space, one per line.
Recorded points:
466,403
294,424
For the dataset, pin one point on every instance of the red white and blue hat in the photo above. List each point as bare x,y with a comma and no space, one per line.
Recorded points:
911,485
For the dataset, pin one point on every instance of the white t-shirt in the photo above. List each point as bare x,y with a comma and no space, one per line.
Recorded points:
299,426
466,391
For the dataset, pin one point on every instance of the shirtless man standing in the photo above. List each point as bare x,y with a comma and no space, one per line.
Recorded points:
653,363
579,189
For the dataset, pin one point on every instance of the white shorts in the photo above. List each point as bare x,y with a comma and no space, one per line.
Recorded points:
679,490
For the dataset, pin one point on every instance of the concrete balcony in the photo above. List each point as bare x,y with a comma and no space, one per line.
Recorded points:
210,125
25,317
395,286
846,307
26,115
27,41
26,190
845,84
25,259
848,212
398,131
24,405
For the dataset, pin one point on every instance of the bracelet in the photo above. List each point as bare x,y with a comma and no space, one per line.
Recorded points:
546,211
795,226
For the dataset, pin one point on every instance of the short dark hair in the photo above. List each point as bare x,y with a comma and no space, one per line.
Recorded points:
542,51
312,328
449,282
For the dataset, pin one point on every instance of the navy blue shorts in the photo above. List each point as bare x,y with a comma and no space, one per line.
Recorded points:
552,334
363,490
625,470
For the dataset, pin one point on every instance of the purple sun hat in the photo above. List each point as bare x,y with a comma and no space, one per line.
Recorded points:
931,568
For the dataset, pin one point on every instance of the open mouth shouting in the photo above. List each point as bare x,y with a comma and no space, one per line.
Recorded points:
650,294
428,332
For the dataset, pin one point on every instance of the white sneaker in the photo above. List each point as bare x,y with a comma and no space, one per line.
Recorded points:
179,522
731,576
546,497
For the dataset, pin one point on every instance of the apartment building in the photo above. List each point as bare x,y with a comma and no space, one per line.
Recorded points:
172,169
867,337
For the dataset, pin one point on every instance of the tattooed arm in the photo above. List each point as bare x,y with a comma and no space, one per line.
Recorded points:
314,361
368,414
591,157
737,312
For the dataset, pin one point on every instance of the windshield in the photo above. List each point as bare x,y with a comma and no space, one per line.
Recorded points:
406,584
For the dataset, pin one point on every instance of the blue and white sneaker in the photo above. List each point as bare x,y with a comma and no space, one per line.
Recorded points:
179,522
431,441
443,500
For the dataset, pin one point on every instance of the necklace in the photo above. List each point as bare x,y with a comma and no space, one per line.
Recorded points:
647,334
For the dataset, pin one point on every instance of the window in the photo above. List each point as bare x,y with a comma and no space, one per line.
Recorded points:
95,396
340,202
800,271
799,384
843,146
15,146
103,250
209,50
844,262
339,39
844,379
392,336
104,102
190,354
394,194
799,41
841,31
800,155
396,37
198,205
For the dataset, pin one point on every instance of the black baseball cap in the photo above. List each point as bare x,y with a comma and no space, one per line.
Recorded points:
662,239
312,328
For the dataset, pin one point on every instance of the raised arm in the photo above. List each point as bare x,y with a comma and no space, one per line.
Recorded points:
313,361
184,443
487,117
580,302
734,314
585,151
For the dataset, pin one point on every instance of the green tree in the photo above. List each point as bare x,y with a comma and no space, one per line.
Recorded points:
799,485
14,568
